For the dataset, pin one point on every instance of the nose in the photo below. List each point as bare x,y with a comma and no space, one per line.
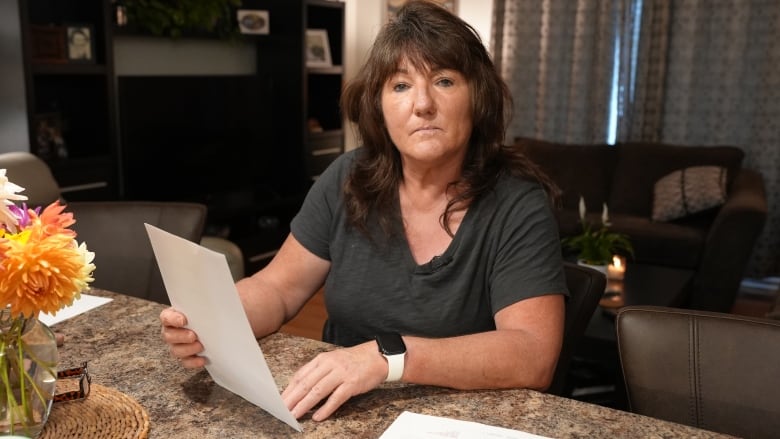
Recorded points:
423,102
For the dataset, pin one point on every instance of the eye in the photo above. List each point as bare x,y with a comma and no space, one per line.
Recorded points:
445,82
399,87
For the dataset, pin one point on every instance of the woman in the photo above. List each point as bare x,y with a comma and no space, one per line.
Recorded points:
433,238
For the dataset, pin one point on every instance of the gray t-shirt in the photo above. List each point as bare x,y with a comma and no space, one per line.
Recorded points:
506,249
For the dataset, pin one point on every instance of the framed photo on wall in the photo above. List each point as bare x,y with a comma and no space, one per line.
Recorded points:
317,48
394,5
253,21
81,43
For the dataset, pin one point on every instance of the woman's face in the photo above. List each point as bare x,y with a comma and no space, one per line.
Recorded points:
428,114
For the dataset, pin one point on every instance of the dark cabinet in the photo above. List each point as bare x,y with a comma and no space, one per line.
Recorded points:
306,95
69,74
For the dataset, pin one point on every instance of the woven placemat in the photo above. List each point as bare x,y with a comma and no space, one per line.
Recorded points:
105,413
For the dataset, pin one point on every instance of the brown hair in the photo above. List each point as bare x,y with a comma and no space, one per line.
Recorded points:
429,37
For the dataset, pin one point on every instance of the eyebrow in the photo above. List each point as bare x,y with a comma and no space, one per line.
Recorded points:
404,70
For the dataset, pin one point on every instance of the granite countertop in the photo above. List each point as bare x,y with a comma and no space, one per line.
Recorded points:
121,341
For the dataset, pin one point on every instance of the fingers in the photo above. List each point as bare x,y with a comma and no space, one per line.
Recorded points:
171,317
193,362
334,377
336,399
182,343
312,383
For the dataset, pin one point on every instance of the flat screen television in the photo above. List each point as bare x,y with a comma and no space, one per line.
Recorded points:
202,138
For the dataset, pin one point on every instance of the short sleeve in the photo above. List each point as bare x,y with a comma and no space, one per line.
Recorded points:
313,225
528,261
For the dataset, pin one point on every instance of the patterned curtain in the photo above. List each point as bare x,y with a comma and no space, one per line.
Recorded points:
693,72
557,58
709,75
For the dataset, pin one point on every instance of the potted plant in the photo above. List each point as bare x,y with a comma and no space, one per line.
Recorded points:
179,18
596,245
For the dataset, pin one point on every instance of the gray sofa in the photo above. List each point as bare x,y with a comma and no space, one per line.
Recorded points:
715,243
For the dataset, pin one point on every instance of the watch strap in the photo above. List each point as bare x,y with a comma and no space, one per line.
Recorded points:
395,367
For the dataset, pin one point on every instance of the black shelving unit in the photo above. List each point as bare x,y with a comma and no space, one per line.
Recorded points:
71,101
301,95
305,97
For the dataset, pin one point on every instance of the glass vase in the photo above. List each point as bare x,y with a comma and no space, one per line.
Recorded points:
28,373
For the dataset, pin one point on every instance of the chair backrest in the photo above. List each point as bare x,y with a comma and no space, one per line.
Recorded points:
715,371
586,287
115,231
33,174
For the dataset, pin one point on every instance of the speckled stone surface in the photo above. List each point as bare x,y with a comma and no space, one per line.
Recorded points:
121,341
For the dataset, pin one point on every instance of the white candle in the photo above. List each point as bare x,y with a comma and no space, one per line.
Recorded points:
617,269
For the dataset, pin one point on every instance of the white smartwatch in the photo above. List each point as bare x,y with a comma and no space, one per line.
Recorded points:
393,348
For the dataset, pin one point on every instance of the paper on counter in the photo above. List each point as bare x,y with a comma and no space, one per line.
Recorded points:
79,306
200,285
416,426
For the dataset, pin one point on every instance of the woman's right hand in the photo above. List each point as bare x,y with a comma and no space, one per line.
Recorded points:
182,343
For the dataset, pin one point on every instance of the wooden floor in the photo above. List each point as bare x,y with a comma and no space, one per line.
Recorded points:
309,321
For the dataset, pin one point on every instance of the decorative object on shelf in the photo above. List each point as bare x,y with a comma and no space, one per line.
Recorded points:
175,19
314,125
317,48
597,245
49,142
81,45
253,21
44,269
119,13
48,44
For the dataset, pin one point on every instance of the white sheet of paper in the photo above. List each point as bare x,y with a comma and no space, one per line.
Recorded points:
200,285
79,306
410,425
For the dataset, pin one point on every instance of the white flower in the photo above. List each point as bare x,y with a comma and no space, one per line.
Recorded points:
583,210
8,192
605,216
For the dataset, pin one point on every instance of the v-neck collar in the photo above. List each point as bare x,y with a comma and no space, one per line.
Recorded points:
439,261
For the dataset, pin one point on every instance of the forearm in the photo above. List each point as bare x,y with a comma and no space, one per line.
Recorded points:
265,310
275,294
496,359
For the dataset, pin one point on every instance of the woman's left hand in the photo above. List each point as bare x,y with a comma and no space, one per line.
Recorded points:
336,375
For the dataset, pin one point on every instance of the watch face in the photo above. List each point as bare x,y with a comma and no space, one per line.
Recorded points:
391,344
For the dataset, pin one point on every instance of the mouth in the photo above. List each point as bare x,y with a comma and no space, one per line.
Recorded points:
426,129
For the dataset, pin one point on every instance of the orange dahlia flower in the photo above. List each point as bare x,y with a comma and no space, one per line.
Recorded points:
42,267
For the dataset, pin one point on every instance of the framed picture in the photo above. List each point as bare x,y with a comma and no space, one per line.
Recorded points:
394,5
317,48
253,21
48,43
81,43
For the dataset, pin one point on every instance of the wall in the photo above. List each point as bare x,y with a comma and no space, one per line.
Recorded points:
13,109
162,56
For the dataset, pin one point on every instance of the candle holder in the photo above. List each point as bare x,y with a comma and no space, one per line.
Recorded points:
617,269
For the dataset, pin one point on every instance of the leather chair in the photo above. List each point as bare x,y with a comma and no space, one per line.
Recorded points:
124,259
715,371
586,287
114,229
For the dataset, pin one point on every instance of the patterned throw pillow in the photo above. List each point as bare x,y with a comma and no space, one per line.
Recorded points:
688,191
